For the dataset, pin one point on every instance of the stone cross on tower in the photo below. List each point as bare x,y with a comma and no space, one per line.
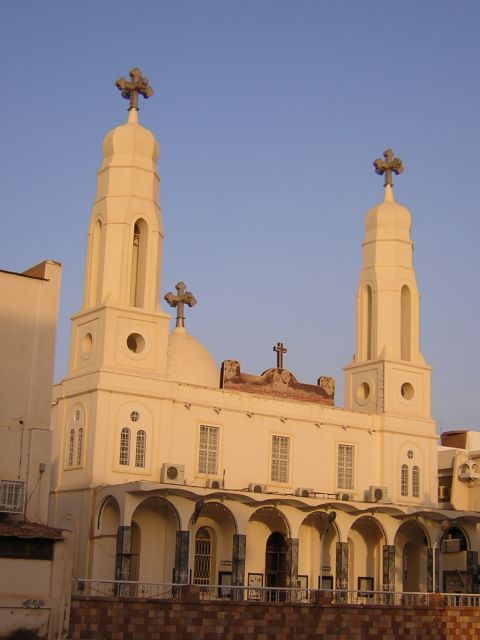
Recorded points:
130,90
281,350
182,298
388,166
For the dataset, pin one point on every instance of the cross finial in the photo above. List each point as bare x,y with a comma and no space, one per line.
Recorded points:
182,298
130,90
281,350
388,166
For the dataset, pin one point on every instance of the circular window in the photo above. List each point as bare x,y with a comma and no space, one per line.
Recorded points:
407,391
409,454
87,342
134,416
363,391
77,415
136,343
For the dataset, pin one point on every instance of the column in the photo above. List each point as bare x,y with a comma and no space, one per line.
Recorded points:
438,586
341,566
388,567
239,548
182,543
291,569
472,571
430,563
123,551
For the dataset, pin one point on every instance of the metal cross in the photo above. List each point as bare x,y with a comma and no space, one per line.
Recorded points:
388,166
182,298
281,350
130,90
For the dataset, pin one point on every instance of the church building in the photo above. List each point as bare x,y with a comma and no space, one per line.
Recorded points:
169,468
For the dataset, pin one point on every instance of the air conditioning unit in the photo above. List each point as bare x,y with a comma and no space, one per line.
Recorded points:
12,496
213,484
444,492
172,473
345,496
377,494
256,487
304,493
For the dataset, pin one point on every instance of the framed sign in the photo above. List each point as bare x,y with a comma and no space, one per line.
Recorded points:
325,582
224,581
255,580
365,584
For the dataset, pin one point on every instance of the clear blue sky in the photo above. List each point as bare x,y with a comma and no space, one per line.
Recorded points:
269,115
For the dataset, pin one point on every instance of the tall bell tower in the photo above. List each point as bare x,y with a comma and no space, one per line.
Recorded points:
388,373
124,255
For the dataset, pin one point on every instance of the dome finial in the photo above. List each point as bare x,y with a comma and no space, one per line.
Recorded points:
388,166
182,298
138,85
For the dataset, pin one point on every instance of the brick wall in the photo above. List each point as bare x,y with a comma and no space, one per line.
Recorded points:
124,619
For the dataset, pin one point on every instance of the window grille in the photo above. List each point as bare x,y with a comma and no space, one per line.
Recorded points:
345,466
208,449
203,556
12,496
280,458
404,480
124,446
140,448
79,446
71,447
416,481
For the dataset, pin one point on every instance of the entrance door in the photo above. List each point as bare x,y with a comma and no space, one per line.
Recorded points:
275,565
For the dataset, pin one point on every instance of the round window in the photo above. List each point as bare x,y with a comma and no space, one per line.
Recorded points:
136,343
407,391
409,454
134,416
87,342
363,391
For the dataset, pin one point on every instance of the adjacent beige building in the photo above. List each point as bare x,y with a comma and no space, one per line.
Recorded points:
169,467
34,558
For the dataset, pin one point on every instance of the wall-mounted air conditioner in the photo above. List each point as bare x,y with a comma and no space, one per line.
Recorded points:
345,496
211,483
12,496
377,494
172,473
304,492
257,487
444,492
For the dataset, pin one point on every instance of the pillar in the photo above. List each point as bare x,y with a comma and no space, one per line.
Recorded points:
430,566
388,567
472,571
341,566
238,559
182,543
291,568
123,552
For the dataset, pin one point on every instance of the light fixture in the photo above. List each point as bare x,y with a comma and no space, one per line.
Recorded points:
318,424
283,419
250,414
217,409
344,427
187,405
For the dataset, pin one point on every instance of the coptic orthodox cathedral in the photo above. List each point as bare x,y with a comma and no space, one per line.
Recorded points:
168,468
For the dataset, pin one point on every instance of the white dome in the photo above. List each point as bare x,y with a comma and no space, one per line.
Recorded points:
388,220
188,361
132,144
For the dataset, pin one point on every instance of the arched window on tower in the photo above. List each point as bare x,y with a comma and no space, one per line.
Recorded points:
140,448
79,446
404,480
124,457
71,447
95,249
367,337
416,481
405,323
139,263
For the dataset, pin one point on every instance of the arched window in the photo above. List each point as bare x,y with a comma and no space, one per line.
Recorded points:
404,480
405,324
95,263
140,448
276,564
79,446
416,481
124,446
71,447
139,256
369,322
203,557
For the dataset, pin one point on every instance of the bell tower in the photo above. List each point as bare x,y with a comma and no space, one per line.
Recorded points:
388,373
121,325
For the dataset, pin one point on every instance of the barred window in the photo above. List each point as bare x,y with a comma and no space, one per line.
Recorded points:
203,557
345,466
71,447
404,480
79,446
140,448
208,449
124,458
416,481
280,458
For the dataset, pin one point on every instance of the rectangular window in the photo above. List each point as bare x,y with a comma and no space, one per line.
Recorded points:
345,466
208,449
12,496
280,458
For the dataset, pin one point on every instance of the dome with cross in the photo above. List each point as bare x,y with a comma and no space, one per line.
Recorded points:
188,361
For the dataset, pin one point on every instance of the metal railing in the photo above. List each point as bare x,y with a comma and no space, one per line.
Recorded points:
163,591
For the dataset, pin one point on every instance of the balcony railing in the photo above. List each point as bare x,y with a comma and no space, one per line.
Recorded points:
164,591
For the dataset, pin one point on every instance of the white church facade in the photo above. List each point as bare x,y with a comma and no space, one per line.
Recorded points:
168,468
